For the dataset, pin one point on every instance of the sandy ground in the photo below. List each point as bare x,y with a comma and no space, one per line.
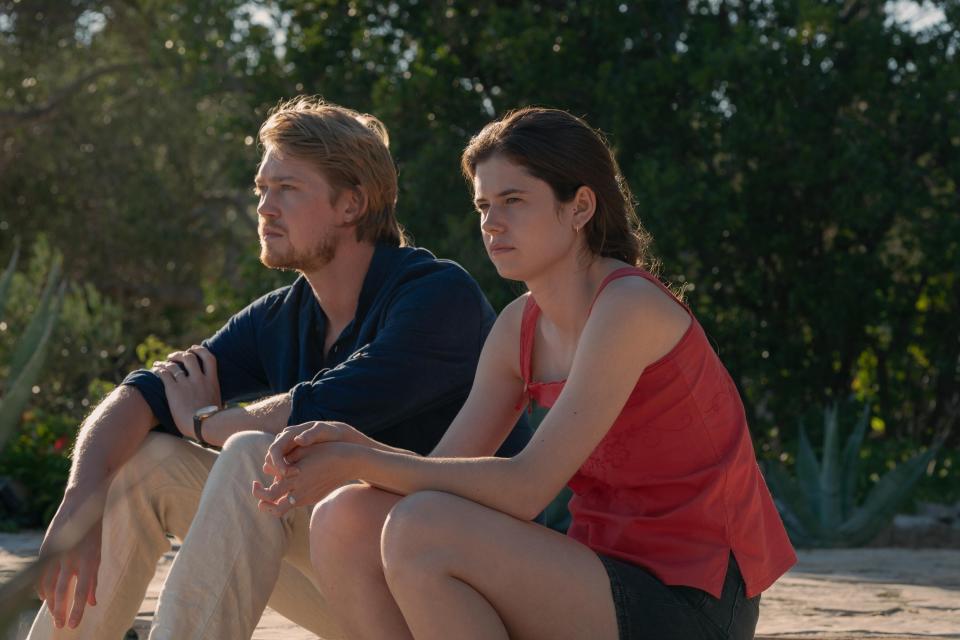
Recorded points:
892,594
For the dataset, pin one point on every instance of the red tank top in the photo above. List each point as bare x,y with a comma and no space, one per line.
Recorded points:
674,485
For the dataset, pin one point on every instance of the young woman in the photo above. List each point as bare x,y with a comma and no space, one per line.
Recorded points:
673,534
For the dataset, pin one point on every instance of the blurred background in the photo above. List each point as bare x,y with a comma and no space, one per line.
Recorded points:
795,160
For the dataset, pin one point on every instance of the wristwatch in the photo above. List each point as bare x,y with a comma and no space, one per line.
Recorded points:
198,417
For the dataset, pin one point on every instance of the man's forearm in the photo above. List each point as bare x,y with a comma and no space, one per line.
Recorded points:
108,438
269,415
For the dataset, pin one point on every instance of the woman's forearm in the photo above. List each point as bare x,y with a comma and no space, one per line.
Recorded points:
499,483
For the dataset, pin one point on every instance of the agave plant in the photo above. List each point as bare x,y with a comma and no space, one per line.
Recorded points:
26,360
23,369
819,507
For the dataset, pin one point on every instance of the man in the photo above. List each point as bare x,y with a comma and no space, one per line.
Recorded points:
373,333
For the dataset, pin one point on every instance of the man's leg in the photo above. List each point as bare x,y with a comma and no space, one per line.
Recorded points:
155,492
235,557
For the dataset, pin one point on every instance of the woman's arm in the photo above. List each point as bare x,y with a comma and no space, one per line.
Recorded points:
632,325
480,427
491,409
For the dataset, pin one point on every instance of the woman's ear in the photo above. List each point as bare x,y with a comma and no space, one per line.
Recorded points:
584,205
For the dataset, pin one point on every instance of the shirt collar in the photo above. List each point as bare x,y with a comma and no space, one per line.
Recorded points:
382,265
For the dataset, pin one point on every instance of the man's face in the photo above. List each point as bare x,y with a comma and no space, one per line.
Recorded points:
300,221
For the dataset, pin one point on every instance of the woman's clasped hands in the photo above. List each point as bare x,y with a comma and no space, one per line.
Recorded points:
307,462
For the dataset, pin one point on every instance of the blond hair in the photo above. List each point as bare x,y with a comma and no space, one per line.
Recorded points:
350,149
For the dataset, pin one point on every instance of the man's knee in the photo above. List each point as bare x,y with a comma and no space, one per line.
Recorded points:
247,444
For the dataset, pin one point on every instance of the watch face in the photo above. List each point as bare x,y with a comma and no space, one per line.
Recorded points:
207,411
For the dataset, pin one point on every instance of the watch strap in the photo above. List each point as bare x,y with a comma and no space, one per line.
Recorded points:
198,429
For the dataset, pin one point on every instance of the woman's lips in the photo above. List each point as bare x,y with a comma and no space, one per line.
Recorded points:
499,250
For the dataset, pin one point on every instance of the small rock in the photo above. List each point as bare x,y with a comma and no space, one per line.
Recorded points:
944,513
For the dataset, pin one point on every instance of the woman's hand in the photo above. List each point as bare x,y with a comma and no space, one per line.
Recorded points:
305,435
189,385
312,473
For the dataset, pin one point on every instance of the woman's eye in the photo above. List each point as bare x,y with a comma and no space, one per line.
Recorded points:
512,200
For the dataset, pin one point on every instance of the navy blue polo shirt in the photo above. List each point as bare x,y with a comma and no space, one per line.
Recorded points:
399,372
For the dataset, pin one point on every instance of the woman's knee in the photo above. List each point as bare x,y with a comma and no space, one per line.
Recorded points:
344,523
413,529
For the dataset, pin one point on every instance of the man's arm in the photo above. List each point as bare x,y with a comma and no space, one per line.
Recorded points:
269,415
108,438
237,370
423,355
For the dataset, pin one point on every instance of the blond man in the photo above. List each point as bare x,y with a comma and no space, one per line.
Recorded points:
372,332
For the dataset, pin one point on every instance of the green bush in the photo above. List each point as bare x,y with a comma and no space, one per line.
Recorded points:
79,352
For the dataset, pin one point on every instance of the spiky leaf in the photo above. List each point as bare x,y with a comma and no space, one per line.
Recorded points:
885,498
801,523
32,336
808,472
851,462
7,277
830,486
20,388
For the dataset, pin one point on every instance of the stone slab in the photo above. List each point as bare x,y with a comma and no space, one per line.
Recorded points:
844,594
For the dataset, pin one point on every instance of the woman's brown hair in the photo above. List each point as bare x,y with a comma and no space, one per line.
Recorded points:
566,153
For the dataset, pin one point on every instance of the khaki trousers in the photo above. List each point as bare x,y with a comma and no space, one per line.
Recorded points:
234,560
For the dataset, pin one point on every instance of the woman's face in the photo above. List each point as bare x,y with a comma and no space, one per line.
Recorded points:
526,230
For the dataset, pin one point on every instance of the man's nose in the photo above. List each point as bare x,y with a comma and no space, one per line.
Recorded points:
267,207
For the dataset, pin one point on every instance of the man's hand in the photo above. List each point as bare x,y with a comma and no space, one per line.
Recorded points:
305,435
82,561
188,386
313,473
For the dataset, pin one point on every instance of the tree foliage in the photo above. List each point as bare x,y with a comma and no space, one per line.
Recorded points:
796,161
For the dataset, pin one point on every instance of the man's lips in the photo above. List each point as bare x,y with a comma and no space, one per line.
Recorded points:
270,233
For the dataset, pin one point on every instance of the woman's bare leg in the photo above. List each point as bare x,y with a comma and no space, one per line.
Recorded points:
345,552
458,569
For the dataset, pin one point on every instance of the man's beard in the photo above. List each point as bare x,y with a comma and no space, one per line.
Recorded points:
320,255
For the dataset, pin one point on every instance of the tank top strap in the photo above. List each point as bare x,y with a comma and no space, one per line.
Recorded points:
528,327
635,271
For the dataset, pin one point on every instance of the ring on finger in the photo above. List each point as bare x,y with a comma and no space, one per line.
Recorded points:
177,374
291,499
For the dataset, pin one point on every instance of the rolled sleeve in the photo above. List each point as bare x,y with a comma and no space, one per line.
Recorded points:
239,370
151,388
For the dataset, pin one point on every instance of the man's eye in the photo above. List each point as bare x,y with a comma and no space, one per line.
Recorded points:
512,200
286,187
482,208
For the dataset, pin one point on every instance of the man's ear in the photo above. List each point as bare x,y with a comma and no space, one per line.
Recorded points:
583,205
355,205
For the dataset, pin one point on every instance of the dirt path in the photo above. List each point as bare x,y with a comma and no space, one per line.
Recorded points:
894,594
